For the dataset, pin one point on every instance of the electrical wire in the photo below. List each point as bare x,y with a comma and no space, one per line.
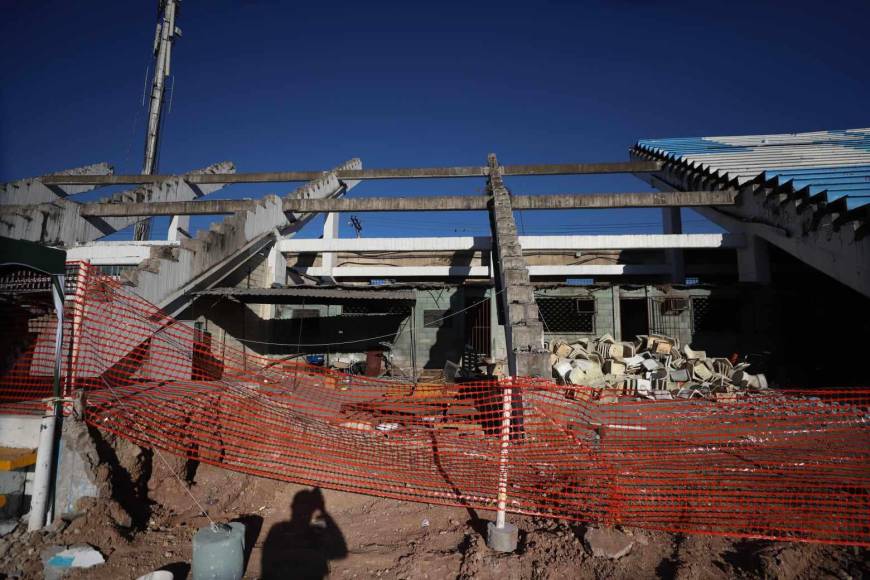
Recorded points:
212,523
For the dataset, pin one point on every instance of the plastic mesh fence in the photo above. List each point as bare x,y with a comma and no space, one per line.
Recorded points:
775,464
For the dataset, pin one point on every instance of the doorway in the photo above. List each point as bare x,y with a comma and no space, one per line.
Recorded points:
477,324
634,315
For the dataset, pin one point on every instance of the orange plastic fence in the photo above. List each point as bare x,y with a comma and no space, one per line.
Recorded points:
779,464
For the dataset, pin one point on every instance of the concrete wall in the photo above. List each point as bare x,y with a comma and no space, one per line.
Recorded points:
243,327
609,316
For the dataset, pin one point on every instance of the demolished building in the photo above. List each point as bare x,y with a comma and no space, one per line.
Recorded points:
180,327
793,259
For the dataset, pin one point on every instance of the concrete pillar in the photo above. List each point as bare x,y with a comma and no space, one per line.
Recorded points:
617,313
330,232
179,228
673,224
524,332
753,260
276,267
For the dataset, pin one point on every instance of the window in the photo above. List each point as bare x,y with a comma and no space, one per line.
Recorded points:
114,269
435,319
674,306
567,314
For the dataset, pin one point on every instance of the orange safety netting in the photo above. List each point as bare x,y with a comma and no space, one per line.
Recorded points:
775,464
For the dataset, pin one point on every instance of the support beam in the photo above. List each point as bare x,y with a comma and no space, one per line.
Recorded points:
330,234
422,203
555,271
753,261
396,173
329,243
524,332
126,253
34,190
673,224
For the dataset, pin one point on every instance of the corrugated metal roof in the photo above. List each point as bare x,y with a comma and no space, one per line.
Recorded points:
327,295
832,164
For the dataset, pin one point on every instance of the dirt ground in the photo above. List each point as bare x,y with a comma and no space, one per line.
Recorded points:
300,532
146,517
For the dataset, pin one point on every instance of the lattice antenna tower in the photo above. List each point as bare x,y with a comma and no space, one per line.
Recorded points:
164,36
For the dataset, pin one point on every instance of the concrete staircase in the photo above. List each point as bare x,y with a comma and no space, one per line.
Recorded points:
169,276
826,236
57,221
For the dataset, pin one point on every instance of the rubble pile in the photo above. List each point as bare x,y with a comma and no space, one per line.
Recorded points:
652,366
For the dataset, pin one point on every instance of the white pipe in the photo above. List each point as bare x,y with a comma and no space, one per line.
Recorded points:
503,458
39,507
42,475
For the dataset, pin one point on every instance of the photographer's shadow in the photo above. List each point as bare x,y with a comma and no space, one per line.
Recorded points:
303,546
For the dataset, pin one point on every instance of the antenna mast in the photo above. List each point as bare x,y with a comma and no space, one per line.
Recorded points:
164,36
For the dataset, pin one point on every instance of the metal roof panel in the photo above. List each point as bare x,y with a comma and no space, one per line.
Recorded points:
833,163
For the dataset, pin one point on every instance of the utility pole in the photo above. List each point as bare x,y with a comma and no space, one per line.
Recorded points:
166,32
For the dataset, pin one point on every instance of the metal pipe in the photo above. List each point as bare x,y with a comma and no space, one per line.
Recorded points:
44,461
48,427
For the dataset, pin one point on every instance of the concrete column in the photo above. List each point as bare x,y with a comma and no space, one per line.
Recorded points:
617,313
179,228
673,224
753,261
276,272
330,232
524,332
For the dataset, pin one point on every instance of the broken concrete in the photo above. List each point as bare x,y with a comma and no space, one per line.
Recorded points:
607,543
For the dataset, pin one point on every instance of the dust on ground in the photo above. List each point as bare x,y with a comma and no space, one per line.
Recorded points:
146,517
302,532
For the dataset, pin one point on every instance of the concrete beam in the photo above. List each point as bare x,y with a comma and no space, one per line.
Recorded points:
528,243
34,190
61,223
128,253
396,173
421,203
369,272
622,200
398,271
753,261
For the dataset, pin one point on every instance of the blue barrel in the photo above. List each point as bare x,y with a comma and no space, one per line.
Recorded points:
219,552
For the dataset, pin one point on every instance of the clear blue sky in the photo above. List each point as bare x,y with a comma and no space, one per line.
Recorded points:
305,85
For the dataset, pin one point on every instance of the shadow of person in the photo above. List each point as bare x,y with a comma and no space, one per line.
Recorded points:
303,546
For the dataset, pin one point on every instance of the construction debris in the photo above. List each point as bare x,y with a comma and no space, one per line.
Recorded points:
59,560
652,366
607,543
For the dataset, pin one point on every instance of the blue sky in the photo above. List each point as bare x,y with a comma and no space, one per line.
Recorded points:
305,85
